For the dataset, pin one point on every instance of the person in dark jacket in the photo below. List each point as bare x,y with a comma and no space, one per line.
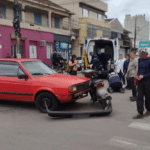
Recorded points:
115,83
95,62
125,68
143,77
57,60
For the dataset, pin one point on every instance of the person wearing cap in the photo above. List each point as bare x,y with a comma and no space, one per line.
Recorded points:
95,62
143,77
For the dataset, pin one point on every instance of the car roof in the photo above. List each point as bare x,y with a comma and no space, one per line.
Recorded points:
18,60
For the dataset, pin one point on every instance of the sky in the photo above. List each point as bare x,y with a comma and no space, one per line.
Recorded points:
119,8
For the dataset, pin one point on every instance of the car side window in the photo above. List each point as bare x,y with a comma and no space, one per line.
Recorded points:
20,72
9,69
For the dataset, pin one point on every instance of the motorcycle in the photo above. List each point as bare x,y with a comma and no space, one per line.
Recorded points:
60,68
98,95
97,92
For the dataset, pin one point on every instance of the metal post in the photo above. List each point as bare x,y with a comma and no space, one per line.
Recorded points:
135,33
18,48
18,34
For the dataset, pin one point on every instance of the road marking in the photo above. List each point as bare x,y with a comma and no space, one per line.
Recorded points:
141,126
128,143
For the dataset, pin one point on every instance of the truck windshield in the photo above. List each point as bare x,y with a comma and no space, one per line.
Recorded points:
37,68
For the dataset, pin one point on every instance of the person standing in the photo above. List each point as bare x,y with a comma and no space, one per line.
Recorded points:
56,60
131,74
95,62
143,77
73,64
119,68
125,68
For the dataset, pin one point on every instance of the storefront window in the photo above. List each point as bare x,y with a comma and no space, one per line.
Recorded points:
49,50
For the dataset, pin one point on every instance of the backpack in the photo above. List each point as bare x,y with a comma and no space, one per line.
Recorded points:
67,68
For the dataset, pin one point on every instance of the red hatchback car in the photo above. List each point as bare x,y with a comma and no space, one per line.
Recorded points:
32,80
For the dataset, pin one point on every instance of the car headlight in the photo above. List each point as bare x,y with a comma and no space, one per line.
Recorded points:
72,89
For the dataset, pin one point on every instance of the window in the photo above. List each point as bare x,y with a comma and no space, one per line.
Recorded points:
85,13
9,69
37,19
99,17
14,50
2,11
49,50
47,21
57,23
37,68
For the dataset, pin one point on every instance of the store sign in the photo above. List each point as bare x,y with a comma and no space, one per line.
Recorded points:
64,45
57,47
144,44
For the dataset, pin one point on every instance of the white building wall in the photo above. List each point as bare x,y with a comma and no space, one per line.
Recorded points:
142,28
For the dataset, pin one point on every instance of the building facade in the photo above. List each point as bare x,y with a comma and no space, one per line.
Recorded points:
142,28
117,31
40,22
88,21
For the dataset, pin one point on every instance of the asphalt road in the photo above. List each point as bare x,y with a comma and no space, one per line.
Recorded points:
22,127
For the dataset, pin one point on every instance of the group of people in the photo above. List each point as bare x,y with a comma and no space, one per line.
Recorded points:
137,73
57,61
127,69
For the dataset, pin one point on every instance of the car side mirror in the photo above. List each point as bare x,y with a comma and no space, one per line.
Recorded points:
22,76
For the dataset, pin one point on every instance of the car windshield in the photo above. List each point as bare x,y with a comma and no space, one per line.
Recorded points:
37,68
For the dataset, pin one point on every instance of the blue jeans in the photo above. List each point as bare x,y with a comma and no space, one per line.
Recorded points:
121,77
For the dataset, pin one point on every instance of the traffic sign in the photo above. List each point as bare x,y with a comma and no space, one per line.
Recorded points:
144,44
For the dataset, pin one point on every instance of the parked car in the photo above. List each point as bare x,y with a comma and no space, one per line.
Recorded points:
31,80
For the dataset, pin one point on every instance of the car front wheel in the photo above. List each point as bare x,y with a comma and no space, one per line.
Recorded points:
50,100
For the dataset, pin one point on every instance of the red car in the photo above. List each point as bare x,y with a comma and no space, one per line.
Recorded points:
32,80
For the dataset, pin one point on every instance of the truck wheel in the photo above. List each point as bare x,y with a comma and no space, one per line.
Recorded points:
50,99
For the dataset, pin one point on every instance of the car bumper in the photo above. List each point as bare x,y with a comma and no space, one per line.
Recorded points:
73,97
71,114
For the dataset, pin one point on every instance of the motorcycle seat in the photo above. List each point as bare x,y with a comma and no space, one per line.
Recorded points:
95,81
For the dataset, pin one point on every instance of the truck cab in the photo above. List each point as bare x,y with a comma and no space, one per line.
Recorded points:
106,49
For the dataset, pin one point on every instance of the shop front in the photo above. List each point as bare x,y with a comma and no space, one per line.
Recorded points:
33,44
63,45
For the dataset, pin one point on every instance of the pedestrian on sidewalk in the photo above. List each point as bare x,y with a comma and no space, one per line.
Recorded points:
73,64
132,73
143,77
125,68
119,68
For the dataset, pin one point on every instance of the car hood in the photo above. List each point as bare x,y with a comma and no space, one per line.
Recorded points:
62,79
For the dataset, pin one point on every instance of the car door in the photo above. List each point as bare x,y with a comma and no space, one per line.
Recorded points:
11,87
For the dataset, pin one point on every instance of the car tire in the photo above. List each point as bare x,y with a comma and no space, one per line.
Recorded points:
50,99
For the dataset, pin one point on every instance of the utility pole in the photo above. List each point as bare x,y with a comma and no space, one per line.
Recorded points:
16,24
135,33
